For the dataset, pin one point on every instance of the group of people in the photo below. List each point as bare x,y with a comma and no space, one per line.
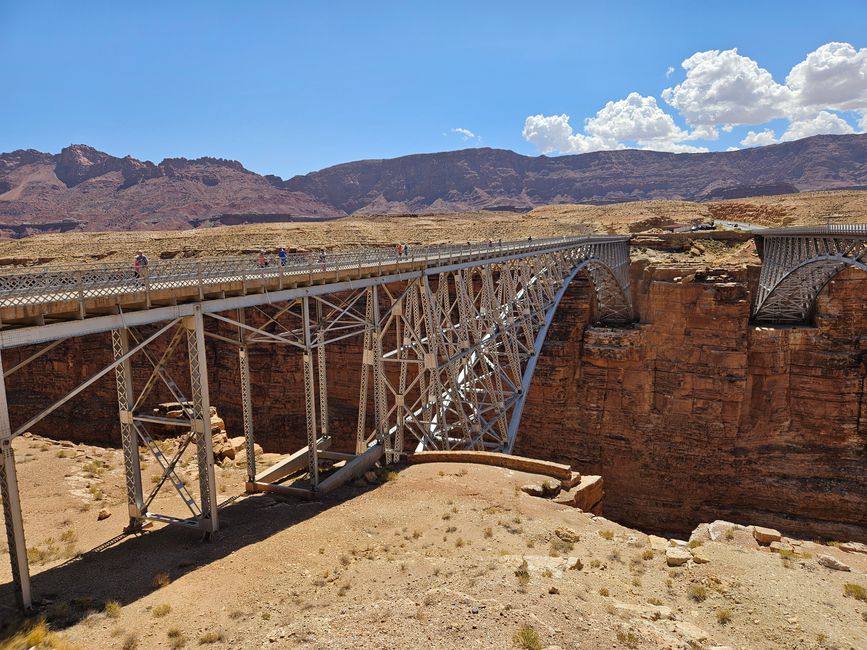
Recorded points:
402,250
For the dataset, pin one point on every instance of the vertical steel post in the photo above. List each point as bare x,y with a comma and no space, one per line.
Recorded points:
12,506
366,361
309,396
201,422
323,372
128,436
379,406
247,408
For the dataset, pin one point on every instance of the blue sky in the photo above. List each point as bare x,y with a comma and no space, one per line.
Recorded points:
290,87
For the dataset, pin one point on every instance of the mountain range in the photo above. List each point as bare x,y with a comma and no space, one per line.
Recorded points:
82,188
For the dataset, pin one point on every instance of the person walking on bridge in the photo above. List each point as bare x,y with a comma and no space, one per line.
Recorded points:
263,261
282,255
140,264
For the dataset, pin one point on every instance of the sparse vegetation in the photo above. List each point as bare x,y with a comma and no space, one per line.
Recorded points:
697,592
695,543
113,609
606,534
648,554
527,638
523,575
161,610
852,590
559,547
211,637
627,638
723,616
176,638
130,642
603,591
488,533
161,580
654,601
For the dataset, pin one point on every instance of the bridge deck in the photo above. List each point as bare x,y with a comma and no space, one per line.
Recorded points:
55,294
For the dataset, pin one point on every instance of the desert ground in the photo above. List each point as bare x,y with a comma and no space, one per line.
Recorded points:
440,555
424,556
354,232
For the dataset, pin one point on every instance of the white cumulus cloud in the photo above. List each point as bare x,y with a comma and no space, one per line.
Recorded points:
636,118
669,71
465,134
822,122
833,76
724,87
759,139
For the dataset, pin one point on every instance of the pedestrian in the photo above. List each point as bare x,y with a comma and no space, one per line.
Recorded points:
322,258
399,249
406,250
263,261
490,243
282,255
140,264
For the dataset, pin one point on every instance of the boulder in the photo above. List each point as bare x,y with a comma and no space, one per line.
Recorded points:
649,612
571,482
854,547
719,529
701,533
238,442
533,489
103,514
833,563
676,556
589,493
566,498
217,424
777,547
765,536
567,535
550,489
658,543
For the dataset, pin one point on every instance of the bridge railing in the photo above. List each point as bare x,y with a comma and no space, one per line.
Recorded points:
854,229
59,282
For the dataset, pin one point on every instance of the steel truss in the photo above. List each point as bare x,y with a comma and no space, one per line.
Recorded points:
797,263
448,355
451,356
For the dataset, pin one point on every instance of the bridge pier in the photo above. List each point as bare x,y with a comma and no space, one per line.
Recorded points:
128,436
12,506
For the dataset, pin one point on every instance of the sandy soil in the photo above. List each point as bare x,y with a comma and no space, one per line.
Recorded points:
353,232
432,558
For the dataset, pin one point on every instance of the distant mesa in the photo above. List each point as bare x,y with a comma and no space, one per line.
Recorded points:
102,192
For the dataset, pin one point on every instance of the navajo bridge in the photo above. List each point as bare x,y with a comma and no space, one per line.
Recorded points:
451,336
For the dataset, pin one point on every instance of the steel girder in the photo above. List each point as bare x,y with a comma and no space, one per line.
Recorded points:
452,355
797,264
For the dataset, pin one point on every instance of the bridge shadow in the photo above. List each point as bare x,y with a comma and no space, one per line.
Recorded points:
124,568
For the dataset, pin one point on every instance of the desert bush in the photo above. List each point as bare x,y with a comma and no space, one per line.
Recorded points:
852,590
527,638
723,616
606,534
697,592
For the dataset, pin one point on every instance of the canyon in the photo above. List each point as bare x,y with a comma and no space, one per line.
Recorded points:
84,189
690,415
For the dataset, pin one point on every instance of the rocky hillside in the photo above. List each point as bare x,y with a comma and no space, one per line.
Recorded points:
84,189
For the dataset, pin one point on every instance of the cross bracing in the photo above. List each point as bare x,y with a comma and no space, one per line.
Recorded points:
450,339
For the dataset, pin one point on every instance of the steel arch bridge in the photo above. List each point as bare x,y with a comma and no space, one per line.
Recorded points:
797,263
451,337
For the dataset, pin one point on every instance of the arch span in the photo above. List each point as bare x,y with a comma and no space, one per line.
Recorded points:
793,298
455,352
797,263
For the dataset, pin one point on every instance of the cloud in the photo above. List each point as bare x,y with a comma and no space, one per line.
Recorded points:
822,122
834,76
465,134
634,119
724,87
669,71
760,139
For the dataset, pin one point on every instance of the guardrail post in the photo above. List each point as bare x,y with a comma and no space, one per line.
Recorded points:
199,280
79,283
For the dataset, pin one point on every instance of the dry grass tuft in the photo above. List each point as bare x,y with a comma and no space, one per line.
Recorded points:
527,638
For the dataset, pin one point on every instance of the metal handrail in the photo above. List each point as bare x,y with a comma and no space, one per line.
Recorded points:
78,281
855,229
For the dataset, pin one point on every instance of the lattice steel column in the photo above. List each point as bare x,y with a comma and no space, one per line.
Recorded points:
201,420
247,408
128,437
12,506
323,372
309,396
366,363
